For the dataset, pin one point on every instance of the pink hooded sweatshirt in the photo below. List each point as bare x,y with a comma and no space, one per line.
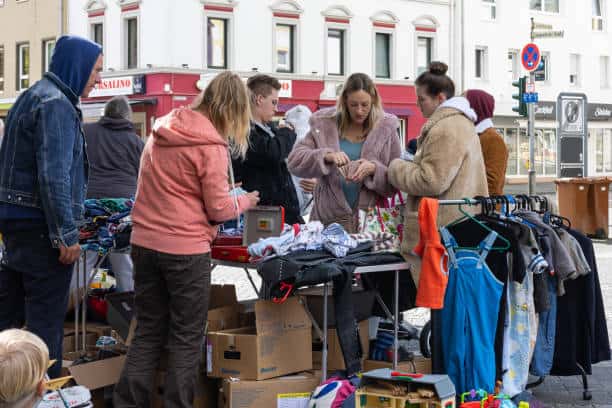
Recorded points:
183,186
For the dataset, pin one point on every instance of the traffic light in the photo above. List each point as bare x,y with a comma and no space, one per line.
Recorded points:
521,109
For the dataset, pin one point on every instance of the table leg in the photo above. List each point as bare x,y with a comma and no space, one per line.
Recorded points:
246,270
77,302
396,320
324,351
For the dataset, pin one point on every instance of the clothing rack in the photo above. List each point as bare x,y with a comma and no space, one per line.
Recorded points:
586,393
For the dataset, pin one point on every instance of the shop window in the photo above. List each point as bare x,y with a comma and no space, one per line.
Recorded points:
131,42
545,153
285,47
217,43
336,51
23,66
603,149
47,48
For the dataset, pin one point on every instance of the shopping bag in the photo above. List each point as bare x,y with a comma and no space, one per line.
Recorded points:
387,216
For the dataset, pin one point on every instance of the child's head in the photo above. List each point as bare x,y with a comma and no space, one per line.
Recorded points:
24,359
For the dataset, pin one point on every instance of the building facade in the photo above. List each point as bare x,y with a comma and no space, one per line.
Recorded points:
312,46
28,30
491,34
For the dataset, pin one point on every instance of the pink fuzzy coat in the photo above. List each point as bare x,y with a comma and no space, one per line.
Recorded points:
381,146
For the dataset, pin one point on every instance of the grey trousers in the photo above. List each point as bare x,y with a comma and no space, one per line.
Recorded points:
171,304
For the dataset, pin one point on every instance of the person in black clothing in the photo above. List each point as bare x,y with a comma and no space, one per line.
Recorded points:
264,167
113,151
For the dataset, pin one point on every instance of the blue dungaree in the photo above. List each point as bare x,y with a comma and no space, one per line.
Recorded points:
469,317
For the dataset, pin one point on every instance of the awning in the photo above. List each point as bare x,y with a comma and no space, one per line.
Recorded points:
96,109
399,111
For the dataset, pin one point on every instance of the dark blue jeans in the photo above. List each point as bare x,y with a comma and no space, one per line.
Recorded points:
34,285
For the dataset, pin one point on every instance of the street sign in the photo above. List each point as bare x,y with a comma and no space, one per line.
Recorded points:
530,57
532,97
542,26
547,34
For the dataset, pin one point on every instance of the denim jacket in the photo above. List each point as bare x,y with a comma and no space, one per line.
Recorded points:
43,162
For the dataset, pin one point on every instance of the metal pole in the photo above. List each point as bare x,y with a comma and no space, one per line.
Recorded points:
324,351
84,306
396,320
77,302
531,135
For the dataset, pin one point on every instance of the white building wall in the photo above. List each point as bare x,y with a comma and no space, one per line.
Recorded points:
172,33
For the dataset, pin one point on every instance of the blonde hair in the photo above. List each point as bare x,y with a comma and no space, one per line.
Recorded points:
226,103
24,359
359,82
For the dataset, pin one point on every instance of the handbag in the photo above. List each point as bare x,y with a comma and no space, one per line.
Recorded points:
387,216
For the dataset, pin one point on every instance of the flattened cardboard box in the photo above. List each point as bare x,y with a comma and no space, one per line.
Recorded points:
98,374
290,391
335,359
279,344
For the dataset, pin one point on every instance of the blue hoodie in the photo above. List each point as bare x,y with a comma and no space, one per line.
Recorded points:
72,61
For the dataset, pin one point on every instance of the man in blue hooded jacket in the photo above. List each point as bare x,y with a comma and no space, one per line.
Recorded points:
43,181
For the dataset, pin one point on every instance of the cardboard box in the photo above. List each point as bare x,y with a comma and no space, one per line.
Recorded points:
69,345
206,393
223,309
422,365
289,391
279,344
96,374
335,360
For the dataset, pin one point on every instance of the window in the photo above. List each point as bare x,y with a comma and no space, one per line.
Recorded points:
480,67
335,51
513,65
131,38
383,55
1,68
603,149
549,6
424,53
604,71
23,66
518,151
285,42
574,66
489,11
597,19
47,48
216,56
97,33
542,72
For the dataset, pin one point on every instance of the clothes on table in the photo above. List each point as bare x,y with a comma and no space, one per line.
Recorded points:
312,236
108,224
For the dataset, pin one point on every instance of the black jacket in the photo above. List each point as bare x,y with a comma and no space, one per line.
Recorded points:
113,150
265,169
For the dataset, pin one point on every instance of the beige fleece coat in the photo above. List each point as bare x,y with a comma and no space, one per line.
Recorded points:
448,164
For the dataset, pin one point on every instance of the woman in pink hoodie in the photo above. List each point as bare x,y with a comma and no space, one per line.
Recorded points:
183,193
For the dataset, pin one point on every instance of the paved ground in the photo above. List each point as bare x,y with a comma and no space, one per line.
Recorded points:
558,392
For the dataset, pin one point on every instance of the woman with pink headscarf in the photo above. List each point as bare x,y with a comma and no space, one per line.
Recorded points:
494,150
